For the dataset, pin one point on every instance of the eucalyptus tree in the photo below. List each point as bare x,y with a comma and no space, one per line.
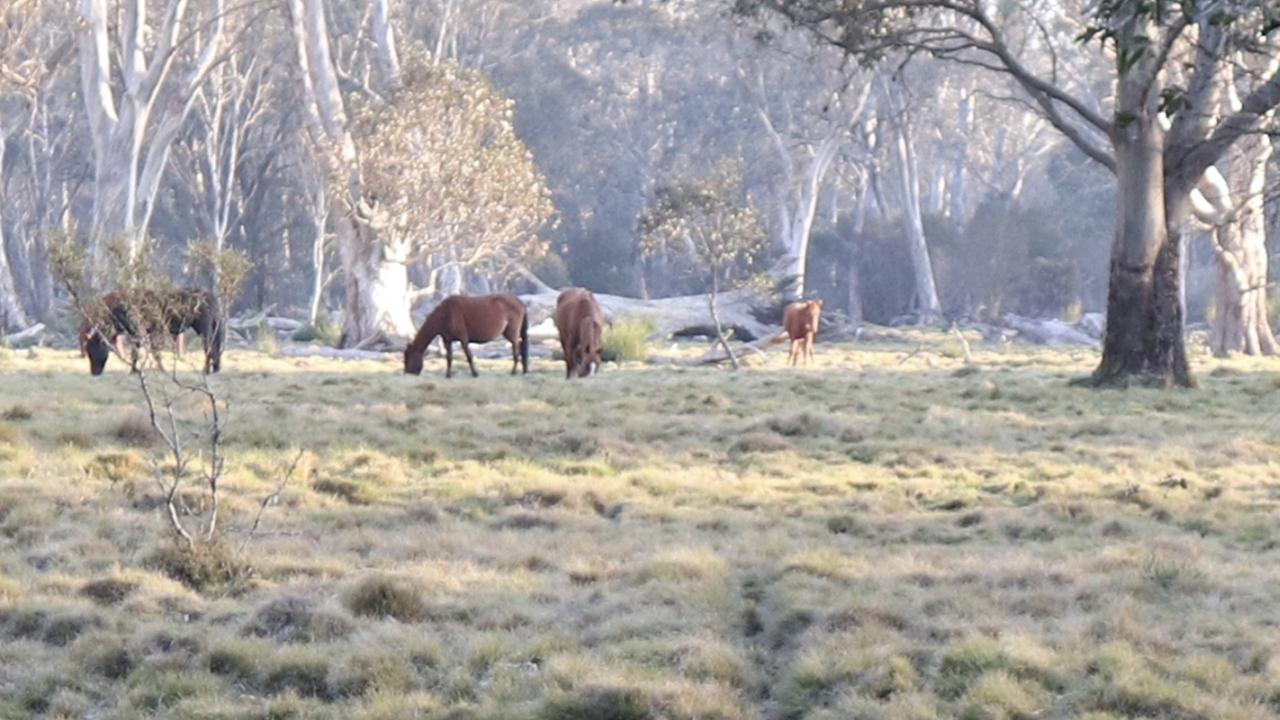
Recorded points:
139,84
1158,131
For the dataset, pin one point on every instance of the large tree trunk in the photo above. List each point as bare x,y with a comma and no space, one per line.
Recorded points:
12,316
376,279
1240,245
928,307
1144,334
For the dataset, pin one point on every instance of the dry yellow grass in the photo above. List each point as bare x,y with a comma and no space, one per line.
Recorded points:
878,536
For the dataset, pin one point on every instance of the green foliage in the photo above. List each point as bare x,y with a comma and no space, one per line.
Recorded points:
627,341
264,340
708,222
323,331
444,170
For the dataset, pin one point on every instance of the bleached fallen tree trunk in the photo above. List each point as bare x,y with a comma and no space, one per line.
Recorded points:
666,314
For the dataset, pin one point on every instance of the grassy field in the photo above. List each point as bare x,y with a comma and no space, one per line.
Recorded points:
889,534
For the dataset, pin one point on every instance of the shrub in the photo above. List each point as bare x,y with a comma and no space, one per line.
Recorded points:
264,340
323,331
626,341
380,596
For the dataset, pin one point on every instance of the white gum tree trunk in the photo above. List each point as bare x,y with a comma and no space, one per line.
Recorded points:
928,307
133,129
375,273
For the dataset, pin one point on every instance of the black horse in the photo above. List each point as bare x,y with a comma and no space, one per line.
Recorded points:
181,309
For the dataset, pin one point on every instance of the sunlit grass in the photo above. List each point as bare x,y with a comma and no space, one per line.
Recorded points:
889,533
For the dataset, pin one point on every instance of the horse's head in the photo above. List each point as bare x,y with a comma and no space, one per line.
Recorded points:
98,350
586,356
413,360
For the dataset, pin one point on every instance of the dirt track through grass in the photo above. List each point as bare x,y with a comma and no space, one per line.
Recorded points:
872,537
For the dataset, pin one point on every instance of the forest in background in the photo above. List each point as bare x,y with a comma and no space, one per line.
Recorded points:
514,145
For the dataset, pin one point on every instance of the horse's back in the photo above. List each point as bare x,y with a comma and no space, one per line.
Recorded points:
576,306
480,317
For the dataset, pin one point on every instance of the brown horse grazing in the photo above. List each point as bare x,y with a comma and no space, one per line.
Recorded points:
472,319
800,319
581,326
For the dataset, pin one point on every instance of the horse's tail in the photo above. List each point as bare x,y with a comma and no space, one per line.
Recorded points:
524,341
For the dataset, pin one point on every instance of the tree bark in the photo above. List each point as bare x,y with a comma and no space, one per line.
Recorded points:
928,307
375,275
130,139
12,316
1144,334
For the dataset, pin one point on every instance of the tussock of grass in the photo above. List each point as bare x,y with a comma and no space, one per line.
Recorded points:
204,568
999,696
18,413
382,596
627,341
237,660
108,591
298,670
292,618
117,466
599,703
106,656
134,428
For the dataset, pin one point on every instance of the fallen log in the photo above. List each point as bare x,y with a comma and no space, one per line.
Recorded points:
1093,325
26,337
1054,333
753,350
667,315
304,351
734,332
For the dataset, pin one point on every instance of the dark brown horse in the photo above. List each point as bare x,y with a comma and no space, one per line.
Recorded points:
581,326
459,318
181,310
800,319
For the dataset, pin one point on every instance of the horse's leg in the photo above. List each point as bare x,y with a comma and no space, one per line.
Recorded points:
448,358
791,356
466,350
514,339
181,343
808,343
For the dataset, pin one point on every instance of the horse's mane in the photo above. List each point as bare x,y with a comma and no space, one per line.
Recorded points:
430,328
